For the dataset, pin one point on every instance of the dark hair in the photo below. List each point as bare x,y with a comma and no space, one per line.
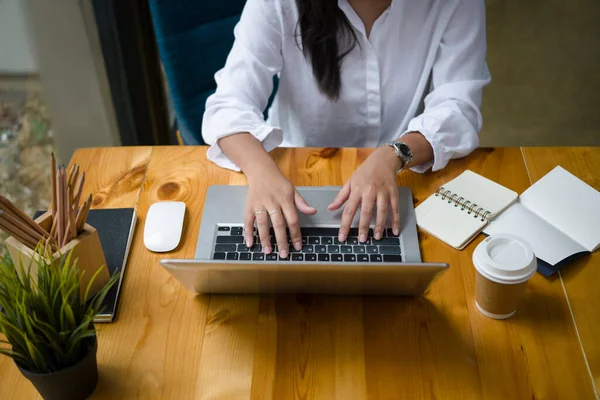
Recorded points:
327,37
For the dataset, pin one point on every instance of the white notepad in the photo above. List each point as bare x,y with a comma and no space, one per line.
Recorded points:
460,209
559,216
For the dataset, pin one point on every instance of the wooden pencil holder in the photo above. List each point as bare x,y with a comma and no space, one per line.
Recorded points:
87,250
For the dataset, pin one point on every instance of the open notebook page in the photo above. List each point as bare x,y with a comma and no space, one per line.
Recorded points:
548,243
482,191
446,222
569,204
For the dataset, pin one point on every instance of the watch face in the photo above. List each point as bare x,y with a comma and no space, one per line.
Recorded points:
405,150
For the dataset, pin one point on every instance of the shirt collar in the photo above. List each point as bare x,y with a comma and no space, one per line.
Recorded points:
345,3
351,15
354,19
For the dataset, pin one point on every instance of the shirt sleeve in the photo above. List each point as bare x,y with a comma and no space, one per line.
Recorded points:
245,83
451,120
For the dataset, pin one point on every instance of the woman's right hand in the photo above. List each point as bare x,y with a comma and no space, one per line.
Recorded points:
272,196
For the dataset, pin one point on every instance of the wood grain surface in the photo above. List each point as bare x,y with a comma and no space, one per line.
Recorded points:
581,279
114,176
170,343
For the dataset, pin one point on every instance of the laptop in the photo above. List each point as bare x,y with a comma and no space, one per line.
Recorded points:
223,263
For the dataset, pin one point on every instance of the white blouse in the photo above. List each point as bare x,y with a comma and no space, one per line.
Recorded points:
422,68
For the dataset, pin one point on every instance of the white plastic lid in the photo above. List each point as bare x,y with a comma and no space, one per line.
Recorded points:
505,259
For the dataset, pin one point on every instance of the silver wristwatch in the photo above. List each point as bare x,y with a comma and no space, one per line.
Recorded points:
403,152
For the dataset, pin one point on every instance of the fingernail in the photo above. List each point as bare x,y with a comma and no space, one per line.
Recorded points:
363,238
341,237
267,250
298,246
396,231
283,254
248,243
378,235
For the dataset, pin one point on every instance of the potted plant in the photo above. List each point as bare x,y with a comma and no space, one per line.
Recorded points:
49,327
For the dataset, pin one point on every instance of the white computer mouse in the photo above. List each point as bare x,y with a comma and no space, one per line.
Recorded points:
164,224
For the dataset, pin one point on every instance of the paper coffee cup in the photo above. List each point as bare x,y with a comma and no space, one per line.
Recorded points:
504,263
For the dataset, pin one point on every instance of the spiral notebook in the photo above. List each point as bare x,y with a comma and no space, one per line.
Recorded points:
559,216
461,208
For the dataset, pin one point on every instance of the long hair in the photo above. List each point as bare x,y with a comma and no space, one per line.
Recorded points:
327,37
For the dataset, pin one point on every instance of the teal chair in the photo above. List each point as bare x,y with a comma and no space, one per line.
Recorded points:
194,38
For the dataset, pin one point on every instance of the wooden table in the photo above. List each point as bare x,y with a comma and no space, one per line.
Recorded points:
169,343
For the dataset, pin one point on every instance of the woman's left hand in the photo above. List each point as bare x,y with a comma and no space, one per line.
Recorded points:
374,182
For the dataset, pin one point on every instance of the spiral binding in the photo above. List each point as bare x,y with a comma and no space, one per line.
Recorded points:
471,207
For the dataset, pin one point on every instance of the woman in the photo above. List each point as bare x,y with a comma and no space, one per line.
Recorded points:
353,73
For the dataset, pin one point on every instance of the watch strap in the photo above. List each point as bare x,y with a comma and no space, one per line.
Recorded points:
405,159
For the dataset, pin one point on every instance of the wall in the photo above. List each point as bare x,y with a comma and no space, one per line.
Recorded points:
15,52
544,56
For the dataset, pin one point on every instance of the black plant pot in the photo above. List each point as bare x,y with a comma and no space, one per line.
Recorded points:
73,383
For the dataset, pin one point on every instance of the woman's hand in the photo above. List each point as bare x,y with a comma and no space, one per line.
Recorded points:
271,195
374,182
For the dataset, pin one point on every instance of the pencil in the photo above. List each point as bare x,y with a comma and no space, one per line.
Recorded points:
53,183
73,175
83,213
77,172
53,231
79,191
68,224
55,208
72,225
60,215
16,232
65,207
78,219
67,237
16,221
21,225
71,172
9,207
23,240
69,196
87,212
54,223
71,185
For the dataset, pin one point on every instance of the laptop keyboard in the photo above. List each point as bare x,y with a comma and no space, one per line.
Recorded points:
318,245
